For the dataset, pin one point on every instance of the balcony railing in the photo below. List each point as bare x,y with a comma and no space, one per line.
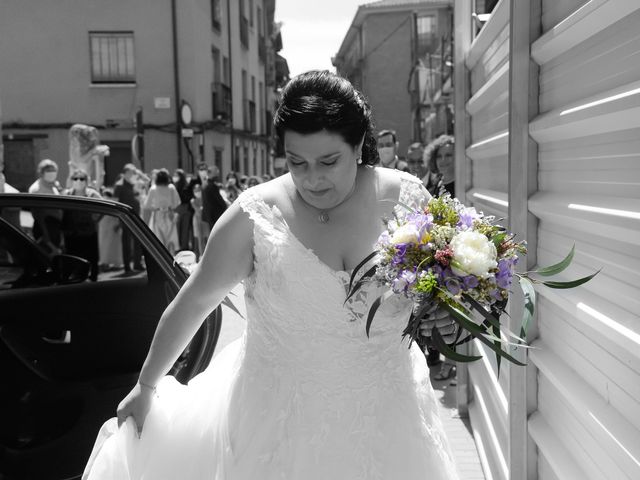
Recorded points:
244,32
221,101
262,48
249,115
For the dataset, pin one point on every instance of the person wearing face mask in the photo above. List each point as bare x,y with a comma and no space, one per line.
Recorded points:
11,215
124,192
232,188
81,228
388,151
47,222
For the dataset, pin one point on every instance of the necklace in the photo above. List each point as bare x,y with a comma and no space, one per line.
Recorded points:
323,214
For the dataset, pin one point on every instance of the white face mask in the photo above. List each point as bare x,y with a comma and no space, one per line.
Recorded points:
197,194
387,155
50,176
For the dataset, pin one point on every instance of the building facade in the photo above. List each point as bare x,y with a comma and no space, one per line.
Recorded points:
195,73
386,53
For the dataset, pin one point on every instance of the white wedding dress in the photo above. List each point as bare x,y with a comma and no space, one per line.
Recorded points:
303,394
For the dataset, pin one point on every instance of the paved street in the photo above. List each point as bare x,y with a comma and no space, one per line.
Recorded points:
458,430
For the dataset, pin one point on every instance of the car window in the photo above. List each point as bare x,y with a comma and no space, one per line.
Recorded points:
37,244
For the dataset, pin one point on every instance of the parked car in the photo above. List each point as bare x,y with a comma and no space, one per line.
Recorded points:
71,347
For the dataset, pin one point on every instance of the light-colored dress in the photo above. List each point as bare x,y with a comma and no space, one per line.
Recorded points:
303,394
161,202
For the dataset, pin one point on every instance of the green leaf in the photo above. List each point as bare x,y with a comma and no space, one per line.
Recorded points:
359,266
489,316
529,304
478,332
497,239
571,284
374,308
558,267
449,352
365,276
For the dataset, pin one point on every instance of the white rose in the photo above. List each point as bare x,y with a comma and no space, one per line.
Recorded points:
405,234
473,254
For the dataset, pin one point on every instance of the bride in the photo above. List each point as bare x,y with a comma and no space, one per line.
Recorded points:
304,393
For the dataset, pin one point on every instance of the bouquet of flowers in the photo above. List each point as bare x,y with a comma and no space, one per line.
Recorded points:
450,254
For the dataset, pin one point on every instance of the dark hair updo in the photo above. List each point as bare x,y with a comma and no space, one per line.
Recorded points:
163,177
321,100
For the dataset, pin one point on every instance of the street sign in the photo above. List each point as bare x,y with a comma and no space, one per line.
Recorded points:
162,103
187,133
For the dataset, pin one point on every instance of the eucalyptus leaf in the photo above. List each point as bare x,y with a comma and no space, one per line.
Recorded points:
489,316
365,276
359,266
529,304
571,284
443,348
498,239
374,308
558,267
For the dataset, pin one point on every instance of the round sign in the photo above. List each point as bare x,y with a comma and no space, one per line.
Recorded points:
185,113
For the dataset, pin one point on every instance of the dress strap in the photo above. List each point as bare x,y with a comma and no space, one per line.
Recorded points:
267,219
412,192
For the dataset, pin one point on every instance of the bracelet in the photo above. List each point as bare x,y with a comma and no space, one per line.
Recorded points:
142,384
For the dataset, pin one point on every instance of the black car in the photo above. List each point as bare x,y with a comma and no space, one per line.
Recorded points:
73,338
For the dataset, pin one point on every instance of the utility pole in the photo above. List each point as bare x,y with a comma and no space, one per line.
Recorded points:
176,80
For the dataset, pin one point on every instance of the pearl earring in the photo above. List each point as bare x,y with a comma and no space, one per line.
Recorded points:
359,161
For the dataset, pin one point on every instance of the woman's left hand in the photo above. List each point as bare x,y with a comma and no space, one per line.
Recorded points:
440,318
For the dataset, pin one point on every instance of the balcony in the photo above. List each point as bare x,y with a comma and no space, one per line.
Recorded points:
249,115
262,48
244,32
221,101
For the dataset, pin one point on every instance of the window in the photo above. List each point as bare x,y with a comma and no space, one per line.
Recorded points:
225,71
260,22
217,160
260,107
244,26
427,42
245,151
215,58
216,14
112,57
251,13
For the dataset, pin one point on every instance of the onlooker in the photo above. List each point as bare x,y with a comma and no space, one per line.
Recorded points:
10,214
266,177
213,205
388,151
161,201
232,187
47,222
109,239
125,193
201,228
415,161
440,165
253,181
184,210
80,227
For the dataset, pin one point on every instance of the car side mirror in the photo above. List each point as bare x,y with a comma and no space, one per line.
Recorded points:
69,269
187,260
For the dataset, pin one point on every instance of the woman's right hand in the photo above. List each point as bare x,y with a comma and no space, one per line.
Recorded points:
137,405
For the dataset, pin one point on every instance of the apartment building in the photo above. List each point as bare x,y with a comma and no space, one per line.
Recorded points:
194,73
386,53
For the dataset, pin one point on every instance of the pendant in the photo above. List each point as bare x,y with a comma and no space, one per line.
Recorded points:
323,217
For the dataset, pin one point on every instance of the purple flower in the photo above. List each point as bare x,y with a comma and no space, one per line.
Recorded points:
401,251
453,285
504,276
467,215
469,282
405,279
422,222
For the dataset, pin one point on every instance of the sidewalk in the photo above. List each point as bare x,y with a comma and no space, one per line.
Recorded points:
458,429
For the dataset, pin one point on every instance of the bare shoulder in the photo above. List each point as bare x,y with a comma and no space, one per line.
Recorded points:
274,192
